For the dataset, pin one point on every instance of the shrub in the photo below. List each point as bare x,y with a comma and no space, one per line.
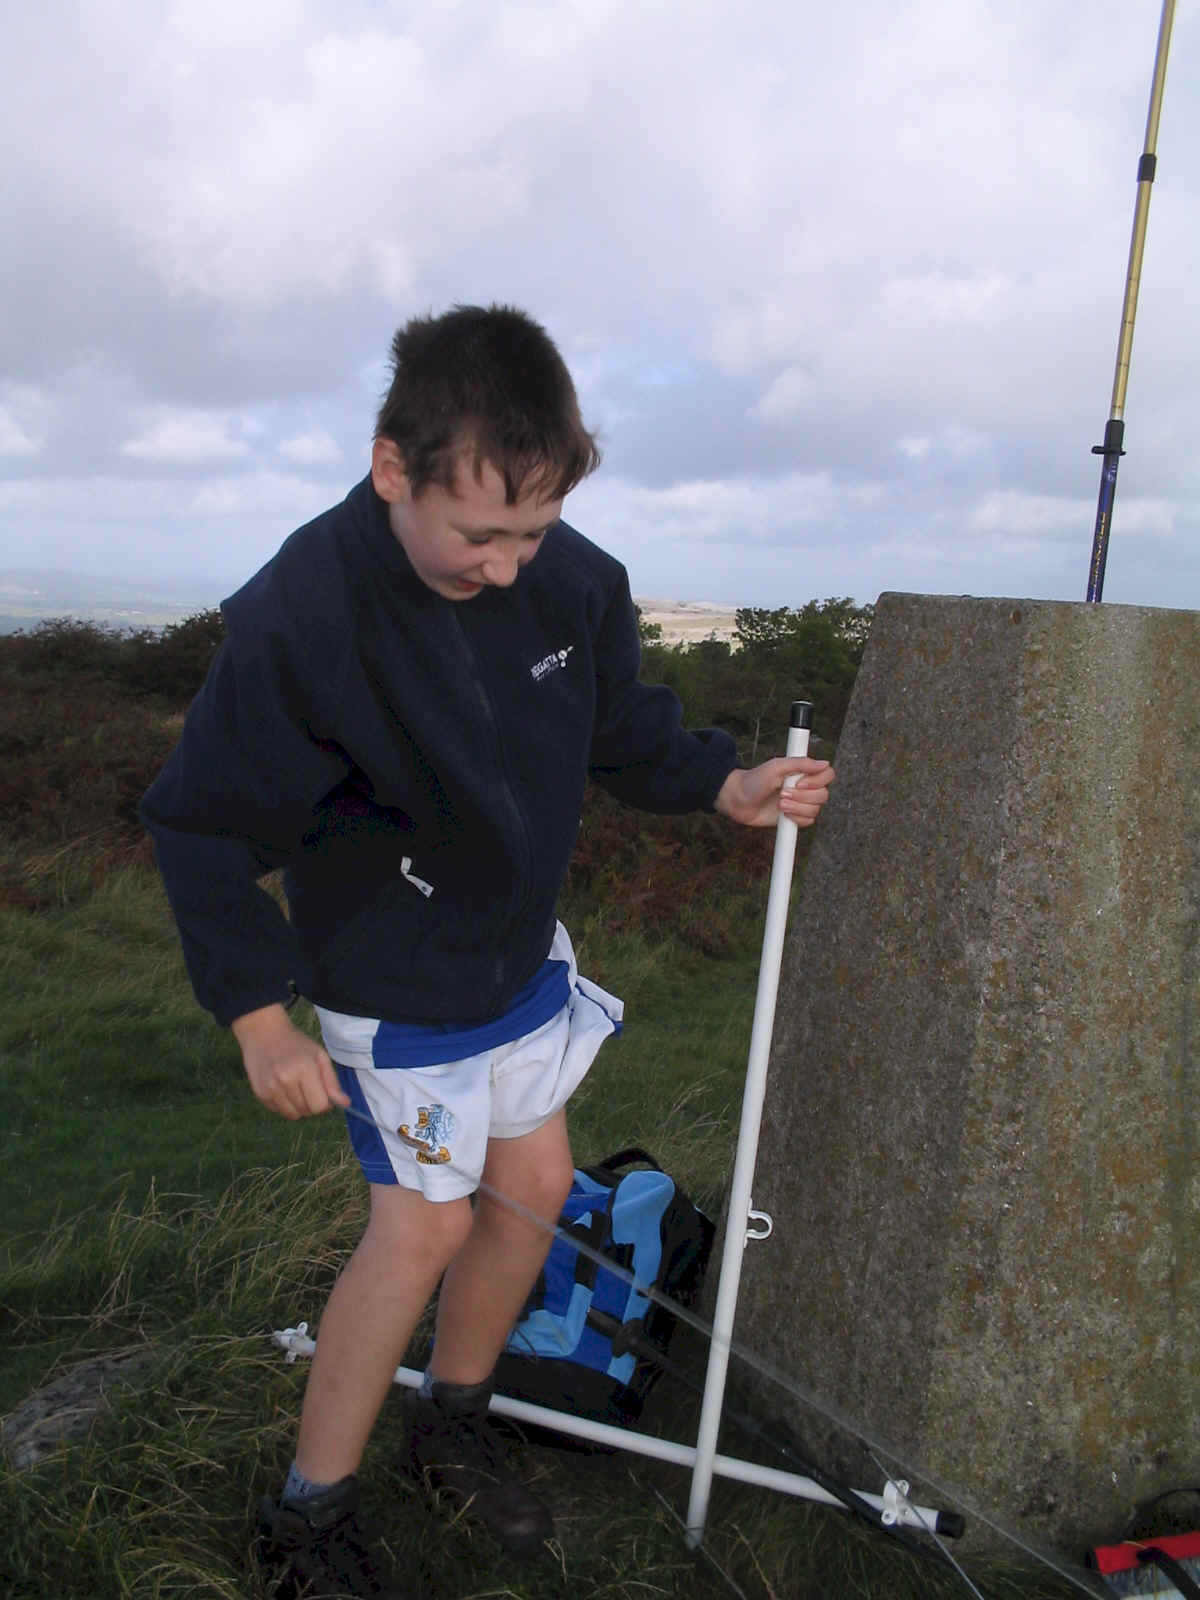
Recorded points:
88,715
73,762
173,663
694,876
64,647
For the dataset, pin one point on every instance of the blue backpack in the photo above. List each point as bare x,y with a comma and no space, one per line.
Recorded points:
587,1341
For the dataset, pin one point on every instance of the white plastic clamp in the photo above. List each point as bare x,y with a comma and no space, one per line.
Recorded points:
766,1228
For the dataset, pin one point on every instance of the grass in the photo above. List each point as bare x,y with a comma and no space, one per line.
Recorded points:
94,1006
115,1092
160,1208
154,1501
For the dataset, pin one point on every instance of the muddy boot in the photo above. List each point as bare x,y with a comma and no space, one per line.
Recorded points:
453,1448
315,1547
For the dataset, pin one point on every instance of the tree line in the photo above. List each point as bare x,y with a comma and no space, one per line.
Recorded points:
777,655
88,714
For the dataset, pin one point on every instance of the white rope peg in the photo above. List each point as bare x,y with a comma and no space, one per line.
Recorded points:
294,1342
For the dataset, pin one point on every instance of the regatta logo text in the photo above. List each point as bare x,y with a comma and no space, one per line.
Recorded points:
554,662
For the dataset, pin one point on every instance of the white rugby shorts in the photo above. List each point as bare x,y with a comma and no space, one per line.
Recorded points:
433,1123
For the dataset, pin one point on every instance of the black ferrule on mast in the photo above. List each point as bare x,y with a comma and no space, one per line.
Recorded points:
1114,433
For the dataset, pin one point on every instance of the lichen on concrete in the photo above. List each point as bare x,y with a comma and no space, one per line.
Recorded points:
979,1146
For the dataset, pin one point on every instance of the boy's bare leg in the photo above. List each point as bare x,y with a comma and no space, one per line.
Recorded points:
489,1279
369,1321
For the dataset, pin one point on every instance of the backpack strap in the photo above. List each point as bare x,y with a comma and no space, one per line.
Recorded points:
1152,1556
628,1158
594,1232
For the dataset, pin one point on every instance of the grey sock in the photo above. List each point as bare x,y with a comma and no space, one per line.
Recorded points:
298,1488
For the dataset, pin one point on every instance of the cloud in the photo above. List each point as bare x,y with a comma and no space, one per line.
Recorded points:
14,440
771,511
318,448
187,441
26,416
793,392
163,501
945,298
214,533
857,350
1056,517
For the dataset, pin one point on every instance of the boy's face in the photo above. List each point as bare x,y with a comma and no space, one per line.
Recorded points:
462,542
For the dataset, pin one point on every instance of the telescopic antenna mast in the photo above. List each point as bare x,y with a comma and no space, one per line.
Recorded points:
1114,432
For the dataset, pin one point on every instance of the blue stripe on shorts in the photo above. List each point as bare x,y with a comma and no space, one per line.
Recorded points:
367,1141
424,1044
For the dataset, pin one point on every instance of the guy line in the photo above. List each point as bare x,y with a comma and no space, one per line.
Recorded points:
1078,1577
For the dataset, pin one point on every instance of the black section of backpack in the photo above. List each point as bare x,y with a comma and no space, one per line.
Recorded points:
686,1237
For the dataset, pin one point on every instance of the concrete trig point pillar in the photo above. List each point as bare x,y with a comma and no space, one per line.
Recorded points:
980,1139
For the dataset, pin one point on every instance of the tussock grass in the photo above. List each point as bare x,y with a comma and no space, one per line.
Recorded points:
158,1499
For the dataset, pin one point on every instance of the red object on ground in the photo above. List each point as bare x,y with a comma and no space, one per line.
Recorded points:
1122,1557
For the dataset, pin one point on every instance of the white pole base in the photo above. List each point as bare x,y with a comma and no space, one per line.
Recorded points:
296,1342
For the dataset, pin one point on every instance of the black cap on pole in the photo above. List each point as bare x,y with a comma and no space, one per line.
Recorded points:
801,716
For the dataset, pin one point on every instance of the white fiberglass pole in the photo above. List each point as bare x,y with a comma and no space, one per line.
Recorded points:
893,1503
739,1208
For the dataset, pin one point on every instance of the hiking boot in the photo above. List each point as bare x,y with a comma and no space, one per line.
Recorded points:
453,1448
315,1549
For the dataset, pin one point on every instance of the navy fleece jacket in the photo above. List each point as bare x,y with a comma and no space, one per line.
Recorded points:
415,765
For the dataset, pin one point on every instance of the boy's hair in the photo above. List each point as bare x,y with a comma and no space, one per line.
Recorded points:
488,381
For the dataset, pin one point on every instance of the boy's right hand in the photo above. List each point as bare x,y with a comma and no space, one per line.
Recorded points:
288,1071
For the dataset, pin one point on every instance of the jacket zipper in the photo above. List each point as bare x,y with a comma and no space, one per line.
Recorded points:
522,831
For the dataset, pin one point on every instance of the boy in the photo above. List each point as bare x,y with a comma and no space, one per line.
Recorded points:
408,703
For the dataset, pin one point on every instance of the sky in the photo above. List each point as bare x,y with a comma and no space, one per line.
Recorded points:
840,285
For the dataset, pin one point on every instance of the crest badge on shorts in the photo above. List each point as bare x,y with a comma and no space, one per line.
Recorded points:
435,1127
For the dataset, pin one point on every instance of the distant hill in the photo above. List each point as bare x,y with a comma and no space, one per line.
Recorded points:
28,596
688,621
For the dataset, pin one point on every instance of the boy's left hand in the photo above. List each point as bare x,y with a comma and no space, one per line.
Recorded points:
756,796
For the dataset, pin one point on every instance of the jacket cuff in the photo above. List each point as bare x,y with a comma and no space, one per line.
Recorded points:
229,1008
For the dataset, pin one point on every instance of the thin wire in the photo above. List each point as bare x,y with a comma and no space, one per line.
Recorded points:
874,1443
767,1369
704,1551
931,1530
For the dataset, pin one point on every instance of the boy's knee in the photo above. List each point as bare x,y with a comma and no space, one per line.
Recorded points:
405,1224
543,1189
558,1180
